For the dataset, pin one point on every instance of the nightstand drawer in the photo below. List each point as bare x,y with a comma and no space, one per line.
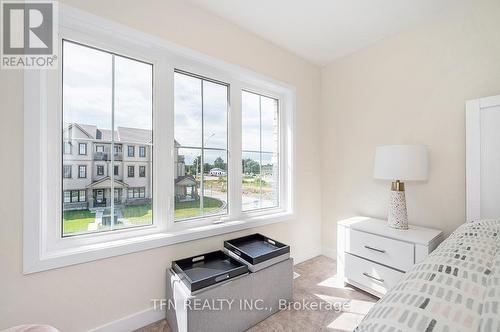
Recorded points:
390,252
371,275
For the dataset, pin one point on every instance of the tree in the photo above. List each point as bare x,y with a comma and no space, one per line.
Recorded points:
219,163
250,166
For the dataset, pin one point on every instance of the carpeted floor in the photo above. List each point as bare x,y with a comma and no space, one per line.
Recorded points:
316,283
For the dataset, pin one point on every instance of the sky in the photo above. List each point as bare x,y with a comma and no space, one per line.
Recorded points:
87,89
87,96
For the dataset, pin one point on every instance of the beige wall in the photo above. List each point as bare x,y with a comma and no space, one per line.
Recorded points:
80,297
407,89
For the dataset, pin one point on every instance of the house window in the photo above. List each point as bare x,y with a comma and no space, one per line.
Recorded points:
67,171
137,192
82,171
111,79
74,196
142,171
260,148
67,197
131,150
67,148
82,148
82,195
118,195
130,171
142,151
200,132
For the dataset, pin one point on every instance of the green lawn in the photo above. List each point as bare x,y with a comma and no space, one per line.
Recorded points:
77,221
192,208
138,214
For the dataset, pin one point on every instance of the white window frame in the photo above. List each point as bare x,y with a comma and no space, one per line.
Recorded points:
44,247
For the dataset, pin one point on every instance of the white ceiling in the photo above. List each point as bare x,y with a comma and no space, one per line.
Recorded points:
323,30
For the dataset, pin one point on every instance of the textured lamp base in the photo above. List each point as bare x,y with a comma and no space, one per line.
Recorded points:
398,217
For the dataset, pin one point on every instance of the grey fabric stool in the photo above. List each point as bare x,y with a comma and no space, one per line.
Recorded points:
233,305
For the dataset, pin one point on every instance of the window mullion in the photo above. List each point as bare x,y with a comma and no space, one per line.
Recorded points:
260,151
235,170
112,177
202,157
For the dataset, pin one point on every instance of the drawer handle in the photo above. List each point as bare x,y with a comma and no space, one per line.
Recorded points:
372,277
375,249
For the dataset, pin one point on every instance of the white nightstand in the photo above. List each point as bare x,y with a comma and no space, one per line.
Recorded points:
373,256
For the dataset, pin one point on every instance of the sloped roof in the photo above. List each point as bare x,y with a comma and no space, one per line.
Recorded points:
134,135
106,183
122,134
185,180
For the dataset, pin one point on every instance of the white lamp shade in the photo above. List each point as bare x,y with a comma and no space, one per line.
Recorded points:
401,162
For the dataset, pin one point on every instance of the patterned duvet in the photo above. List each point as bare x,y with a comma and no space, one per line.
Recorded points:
456,288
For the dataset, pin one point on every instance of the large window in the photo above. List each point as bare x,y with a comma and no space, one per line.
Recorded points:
107,99
200,132
260,152
221,159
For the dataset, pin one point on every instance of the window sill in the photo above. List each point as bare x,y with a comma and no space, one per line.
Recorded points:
87,253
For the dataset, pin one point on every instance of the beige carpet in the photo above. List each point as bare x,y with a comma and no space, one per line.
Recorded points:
316,283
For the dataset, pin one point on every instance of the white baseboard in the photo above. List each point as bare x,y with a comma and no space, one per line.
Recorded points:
132,322
297,259
329,252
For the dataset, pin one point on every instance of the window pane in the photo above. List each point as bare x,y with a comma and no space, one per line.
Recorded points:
250,181
250,119
214,115
101,202
134,124
215,182
269,180
260,179
188,114
201,111
82,197
187,183
269,124
67,197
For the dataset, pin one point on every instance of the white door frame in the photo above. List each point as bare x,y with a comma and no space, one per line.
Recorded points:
473,153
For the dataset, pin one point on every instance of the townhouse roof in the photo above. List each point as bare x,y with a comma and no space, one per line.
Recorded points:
122,134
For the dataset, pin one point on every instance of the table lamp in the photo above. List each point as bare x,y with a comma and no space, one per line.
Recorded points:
400,163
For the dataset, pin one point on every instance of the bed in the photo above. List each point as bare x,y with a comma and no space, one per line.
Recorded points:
457,287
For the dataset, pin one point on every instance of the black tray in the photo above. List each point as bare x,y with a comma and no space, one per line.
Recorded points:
256,248
204,270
